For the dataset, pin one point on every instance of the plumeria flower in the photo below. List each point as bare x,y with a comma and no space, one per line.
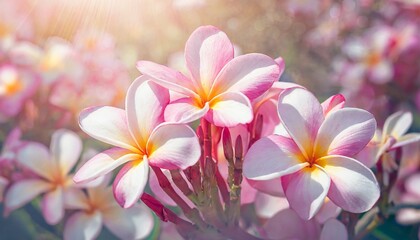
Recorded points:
220,86
141,138
315,162
97,208
16,86
392,137
52,167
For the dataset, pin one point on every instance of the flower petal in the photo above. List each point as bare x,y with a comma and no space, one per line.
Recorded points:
207,51
166,77
272,157
130,182
37,158
83,226
266,206
52,206
301,121
109,125
23,192
328,210
353,186
251,74
306,190
397,124
345,132
75,198
184,110
104,163
333,103
173,146
133,223
272,187
230,109
145,104
406,139
333,230
66,147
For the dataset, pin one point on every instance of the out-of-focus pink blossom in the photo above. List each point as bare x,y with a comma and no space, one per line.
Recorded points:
316,161
411,196
52,168
97,208
141,139
221,86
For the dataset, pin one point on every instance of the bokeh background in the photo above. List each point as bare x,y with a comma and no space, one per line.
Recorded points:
83,53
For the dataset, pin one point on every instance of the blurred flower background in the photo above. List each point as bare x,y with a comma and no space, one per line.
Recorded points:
59,57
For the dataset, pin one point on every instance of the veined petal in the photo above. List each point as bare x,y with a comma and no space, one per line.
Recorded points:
272,187
345,132
272,157
109,125
207,51
37,158
397,124
184,110
369,155
130,182
52,206
145,104
23,192
333,230
353,186
230,109
75,198
66,147
173,146
83,226
306,190
406,139
333,103
251,74
133,223
104,163
302,115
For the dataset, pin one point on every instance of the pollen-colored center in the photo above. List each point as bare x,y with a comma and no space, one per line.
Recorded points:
9,83
372,59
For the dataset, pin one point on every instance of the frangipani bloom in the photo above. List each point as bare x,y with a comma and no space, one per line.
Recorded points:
314,163
141,139
99,208
392,137
53,167
220,86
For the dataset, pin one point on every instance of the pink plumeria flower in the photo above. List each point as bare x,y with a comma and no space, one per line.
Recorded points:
97,208
141,138
393,136
16,86
53,167
220,86
314,163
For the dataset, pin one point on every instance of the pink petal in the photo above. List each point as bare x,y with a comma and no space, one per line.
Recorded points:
130,182
412,184
104,163
369,155
268,110
173,146
66,147
133,223
52,206
145,104
251,74
184,110
230,109
353,186
406,139
83,226
272,157
109,125
166,77
333,103
23,192
266,206
397,124
37,158
306,190
345,132
272,187
207,51
382,72
334,230
75,198
328,210
301,121
281,63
